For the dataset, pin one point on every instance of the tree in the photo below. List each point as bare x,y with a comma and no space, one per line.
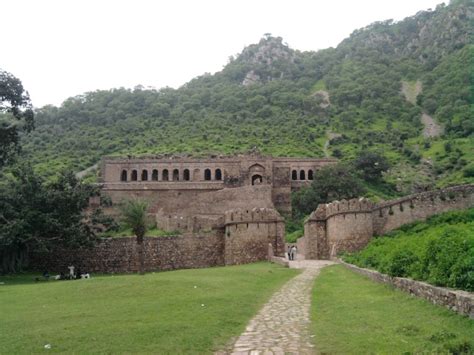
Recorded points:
134,217
371,165
40,216
331,183
16,114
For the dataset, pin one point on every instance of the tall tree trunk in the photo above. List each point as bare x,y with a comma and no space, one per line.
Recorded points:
141,255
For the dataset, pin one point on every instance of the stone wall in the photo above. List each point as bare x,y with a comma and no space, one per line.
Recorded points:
392,214
349,225
243,236
249,232
171,183
456,300
118,255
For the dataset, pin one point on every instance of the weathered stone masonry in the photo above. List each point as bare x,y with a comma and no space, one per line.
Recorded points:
116,255
349,225
225,207
456,300
171,183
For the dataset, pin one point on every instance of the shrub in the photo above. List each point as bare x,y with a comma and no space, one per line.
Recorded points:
439,250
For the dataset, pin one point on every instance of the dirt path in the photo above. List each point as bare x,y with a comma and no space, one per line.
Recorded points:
411,90
431,129
84,172
330,135
283,324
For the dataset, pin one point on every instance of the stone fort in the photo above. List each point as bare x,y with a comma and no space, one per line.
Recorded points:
230,210
193,194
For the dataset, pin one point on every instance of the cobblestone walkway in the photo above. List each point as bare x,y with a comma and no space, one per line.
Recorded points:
282,325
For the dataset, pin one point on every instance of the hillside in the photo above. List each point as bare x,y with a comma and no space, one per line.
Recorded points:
285,102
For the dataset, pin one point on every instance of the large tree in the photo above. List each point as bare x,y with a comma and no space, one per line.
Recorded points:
16,114
334,182
40,216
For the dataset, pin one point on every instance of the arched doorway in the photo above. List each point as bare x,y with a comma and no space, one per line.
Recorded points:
257,174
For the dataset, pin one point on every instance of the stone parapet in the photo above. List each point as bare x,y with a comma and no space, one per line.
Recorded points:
458,301
347,226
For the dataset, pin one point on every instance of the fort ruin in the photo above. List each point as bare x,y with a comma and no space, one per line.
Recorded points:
226,211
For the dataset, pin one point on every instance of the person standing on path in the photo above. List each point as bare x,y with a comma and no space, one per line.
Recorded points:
293,252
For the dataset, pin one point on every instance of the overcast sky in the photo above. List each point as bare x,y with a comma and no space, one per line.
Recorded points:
63,48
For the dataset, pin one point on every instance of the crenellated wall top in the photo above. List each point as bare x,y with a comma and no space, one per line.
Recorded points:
254,215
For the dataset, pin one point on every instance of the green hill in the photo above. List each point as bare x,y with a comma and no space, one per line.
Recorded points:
285,102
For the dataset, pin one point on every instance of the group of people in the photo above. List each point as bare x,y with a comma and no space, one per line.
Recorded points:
292,252
72,275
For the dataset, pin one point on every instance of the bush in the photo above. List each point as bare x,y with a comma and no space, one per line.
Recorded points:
439,251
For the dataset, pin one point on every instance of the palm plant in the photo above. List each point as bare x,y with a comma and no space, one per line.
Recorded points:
134,217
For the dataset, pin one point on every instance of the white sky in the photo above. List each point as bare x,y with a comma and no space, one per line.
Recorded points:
63,48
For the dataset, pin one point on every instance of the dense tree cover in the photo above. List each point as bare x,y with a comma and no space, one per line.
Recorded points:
16,114
439,251
335,182
371,165
284,113
448,94
40,216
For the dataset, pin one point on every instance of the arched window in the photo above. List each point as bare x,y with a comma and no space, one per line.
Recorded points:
186,175
144,175
294,175
207,174
154,175
175,175
134,175
123,176
218,174
164,175
257,179
302,175
310,175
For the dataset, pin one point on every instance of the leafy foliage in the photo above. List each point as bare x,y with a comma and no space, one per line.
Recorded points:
134,217
439,251
330,183
39,216
371,165
283,110
16,114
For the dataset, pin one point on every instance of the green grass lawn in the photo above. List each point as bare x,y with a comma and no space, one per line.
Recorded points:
354,315
192,311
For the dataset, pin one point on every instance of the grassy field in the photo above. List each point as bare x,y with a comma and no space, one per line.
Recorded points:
192,311
354,315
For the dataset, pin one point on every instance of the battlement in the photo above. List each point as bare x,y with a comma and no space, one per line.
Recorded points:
254,215
448,193
356,205
342,226
349,206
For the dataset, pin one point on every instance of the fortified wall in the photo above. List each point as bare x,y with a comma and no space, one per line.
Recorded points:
243,237
224,208
343,226
120,255
248,233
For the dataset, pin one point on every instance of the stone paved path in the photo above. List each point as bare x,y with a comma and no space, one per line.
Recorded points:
282,325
